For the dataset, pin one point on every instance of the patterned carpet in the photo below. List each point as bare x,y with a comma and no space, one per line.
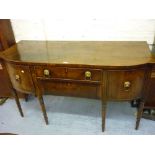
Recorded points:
69,115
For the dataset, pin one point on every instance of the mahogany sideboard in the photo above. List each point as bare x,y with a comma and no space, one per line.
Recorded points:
109,71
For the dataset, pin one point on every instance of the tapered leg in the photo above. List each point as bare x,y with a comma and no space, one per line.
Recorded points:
17,102
104,106
139,114
42,105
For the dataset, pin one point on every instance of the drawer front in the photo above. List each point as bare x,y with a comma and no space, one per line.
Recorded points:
54,72
70,89
21,78
68,73
125,85
84,74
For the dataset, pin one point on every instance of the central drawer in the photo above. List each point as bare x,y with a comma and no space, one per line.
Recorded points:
68,73
66,81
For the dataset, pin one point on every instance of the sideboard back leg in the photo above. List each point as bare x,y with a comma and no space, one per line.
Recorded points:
139,114
104,106
42,105
26,97
17,102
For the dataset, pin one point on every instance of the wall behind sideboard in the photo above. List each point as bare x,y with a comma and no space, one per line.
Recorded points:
76,29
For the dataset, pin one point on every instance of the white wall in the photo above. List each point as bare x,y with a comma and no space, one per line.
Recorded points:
76,29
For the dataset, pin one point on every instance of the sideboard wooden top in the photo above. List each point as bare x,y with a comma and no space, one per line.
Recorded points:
98,53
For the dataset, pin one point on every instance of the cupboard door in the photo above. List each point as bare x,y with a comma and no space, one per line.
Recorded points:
150,100
126,84
21,78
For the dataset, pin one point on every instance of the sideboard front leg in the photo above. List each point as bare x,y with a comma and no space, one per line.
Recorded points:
17,102
42,105
139,114
104,106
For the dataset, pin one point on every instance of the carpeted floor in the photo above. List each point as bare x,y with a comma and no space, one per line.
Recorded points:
69,115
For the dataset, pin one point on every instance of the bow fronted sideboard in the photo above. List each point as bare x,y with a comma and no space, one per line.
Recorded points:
105,70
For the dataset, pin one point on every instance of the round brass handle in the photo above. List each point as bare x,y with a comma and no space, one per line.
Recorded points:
22,71
46,72
127,85
88,74
17,77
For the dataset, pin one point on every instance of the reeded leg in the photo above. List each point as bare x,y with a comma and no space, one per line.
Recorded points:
17,102
42,105
104,106
139,114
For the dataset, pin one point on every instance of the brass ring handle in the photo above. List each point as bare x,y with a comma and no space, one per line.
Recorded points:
127,85
17,77
88,75
22,71
46,72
